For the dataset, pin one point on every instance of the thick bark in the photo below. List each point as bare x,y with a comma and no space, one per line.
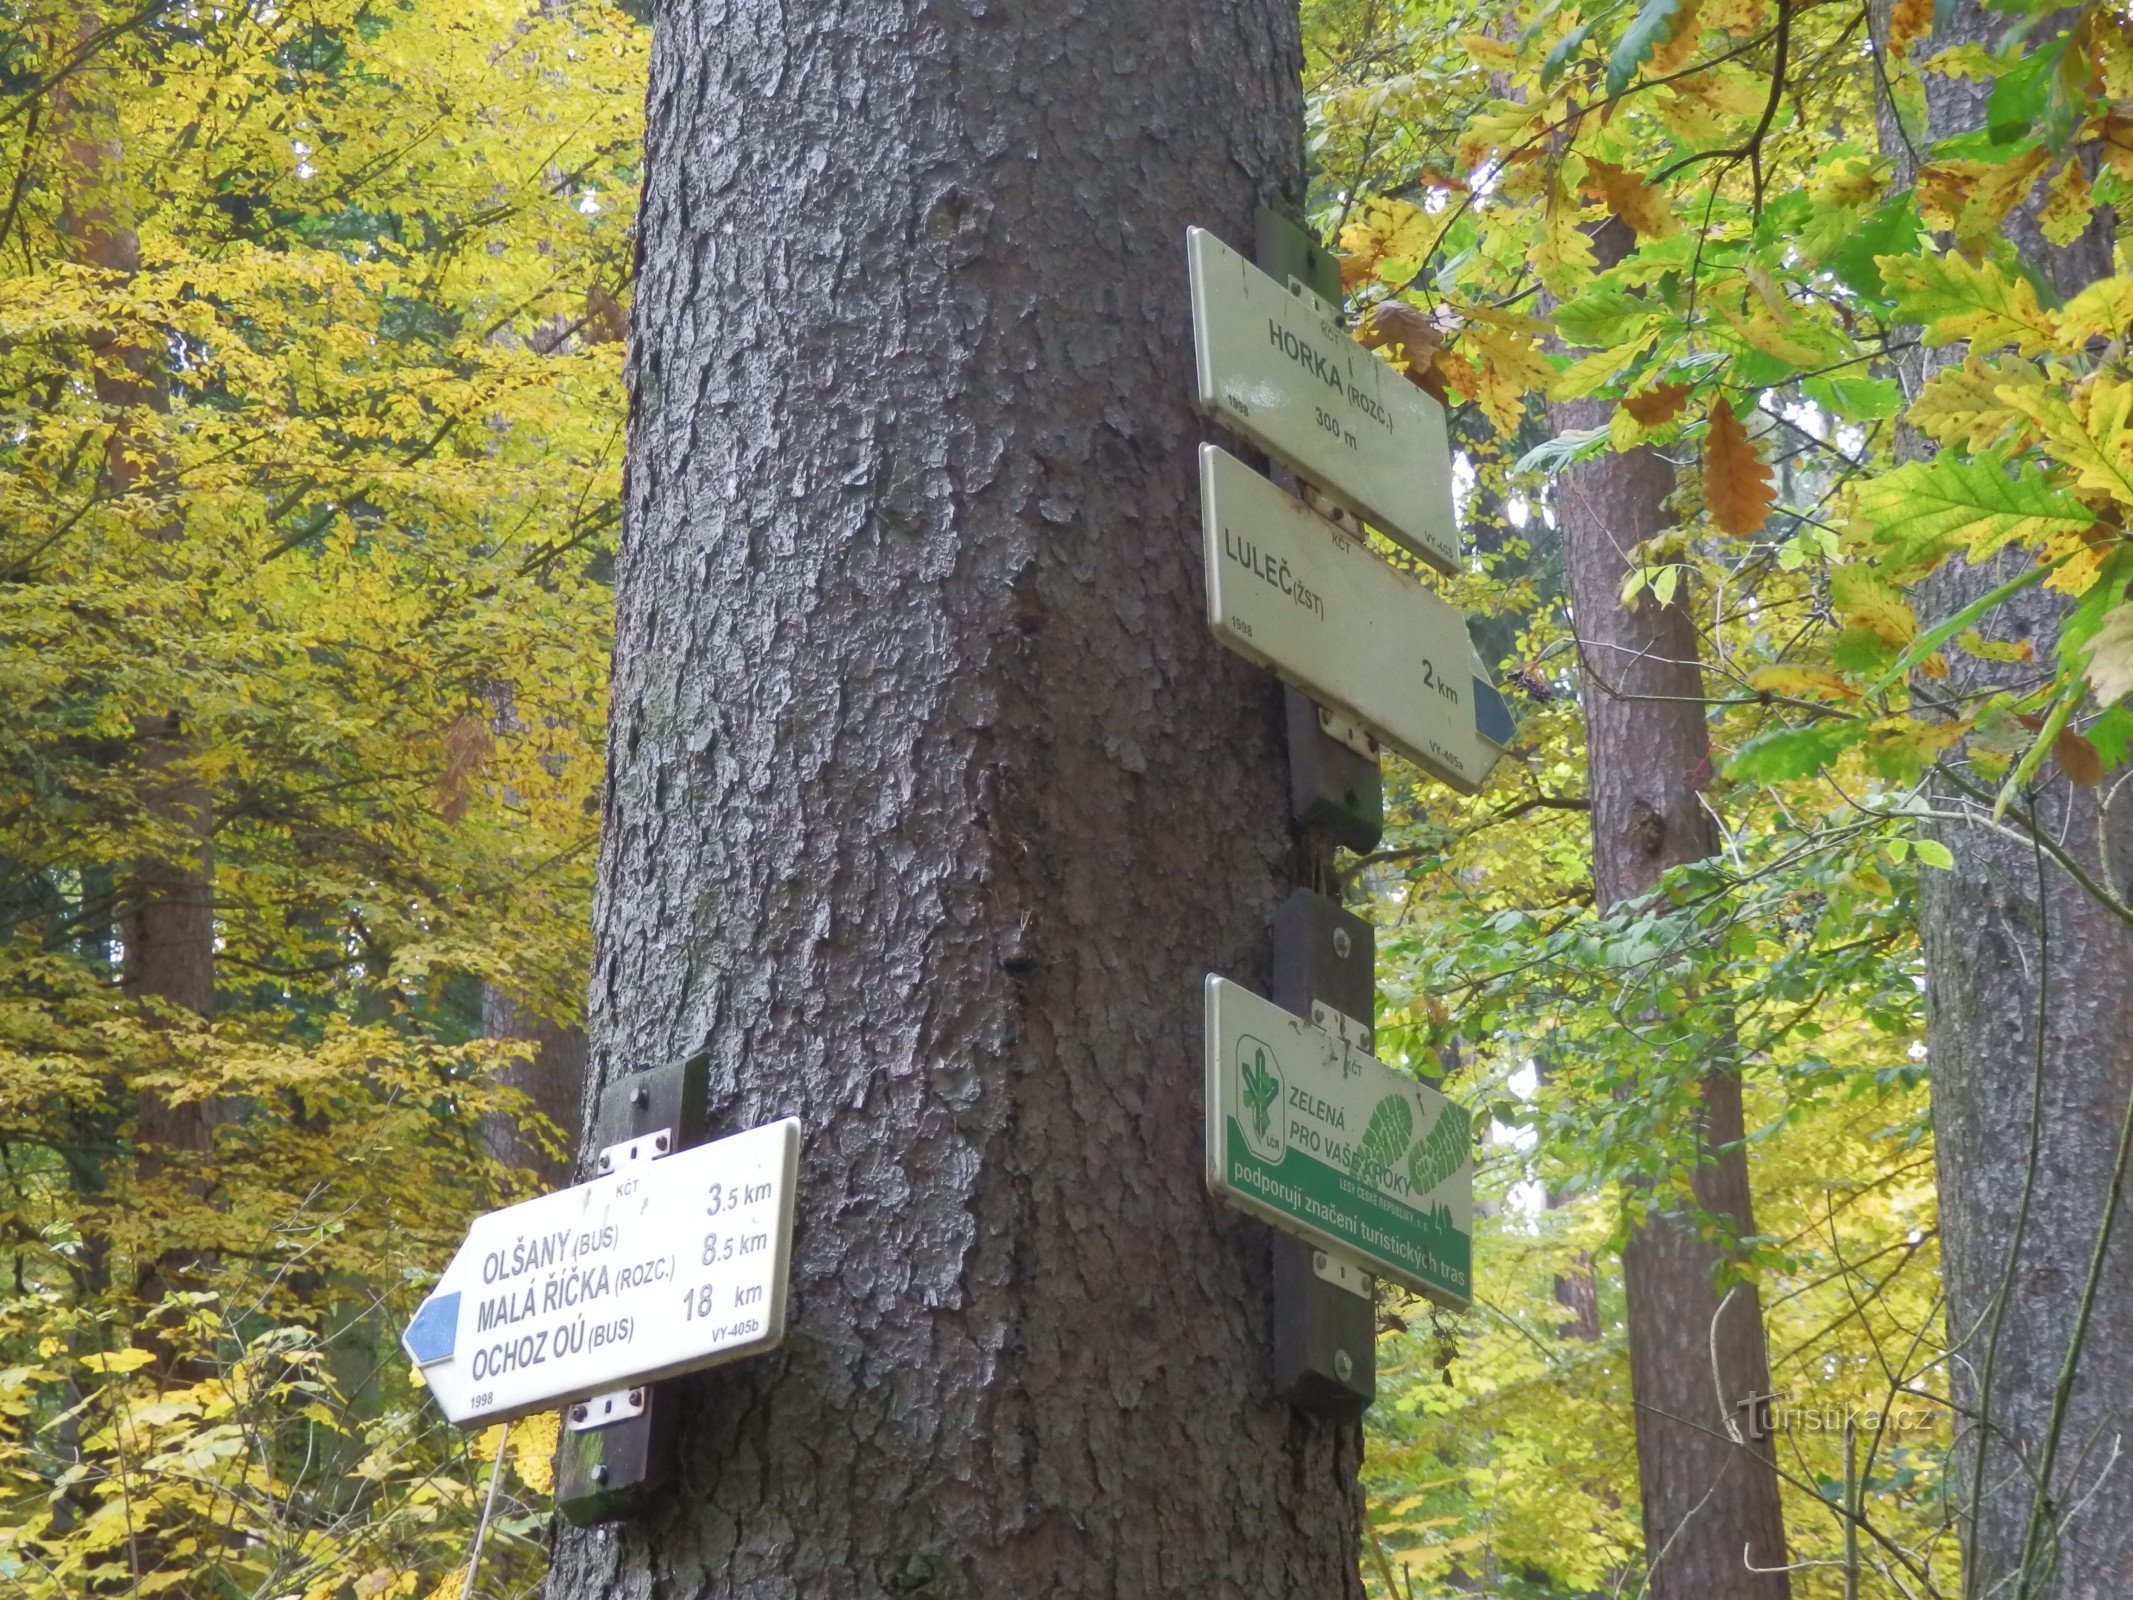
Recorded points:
931,801
550,1073
2029,1032
1706,1498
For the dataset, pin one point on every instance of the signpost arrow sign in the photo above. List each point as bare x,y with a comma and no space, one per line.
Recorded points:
1287,590
660,1268
1332,1145
1278,369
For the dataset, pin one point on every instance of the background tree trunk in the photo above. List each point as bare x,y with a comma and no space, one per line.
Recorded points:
1706,1499
2029,1032
931,801
550,1073
166,920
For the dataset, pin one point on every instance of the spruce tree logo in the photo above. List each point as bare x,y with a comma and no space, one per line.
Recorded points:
1259,1098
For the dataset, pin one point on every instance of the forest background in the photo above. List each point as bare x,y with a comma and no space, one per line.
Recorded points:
311,339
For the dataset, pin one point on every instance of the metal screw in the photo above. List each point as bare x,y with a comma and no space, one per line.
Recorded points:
1343,1365
1318,1260
577,1413
1342,944
636,1397
606,1161
640,1096
660,1140
600,1473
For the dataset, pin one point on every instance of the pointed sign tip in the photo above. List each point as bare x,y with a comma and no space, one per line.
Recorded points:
433,1334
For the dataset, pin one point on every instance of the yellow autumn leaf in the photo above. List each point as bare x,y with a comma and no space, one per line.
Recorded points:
2067,203
1591,373
1848,183
1760,330
1387,230
2089,429
1490,52
1728,91
1961,405
1808,682
2104,310
1562,254
1957,299
533,1447
131,1359
1862,597
1974,643
1502,128
1741,18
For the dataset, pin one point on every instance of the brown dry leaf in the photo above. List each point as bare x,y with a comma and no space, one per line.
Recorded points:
466,746
1972,198
1736,483
1672,53
2077,758
1909,22
1408,331
2114,142
1741,18
1413,337
1657,404
1632,199
605,320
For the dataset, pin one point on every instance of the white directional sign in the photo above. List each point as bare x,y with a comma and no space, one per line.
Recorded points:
662,1267
1334,1146
1288,591
1275,367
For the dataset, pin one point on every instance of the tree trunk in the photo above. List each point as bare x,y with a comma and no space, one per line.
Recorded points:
932,803
1706,1498
166,907
551,1075
2028,1120
167,921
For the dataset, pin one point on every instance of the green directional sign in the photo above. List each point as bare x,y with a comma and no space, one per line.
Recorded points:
1334,1146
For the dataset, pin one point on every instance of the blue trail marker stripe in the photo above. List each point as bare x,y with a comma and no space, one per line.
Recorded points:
1492,714
431,1337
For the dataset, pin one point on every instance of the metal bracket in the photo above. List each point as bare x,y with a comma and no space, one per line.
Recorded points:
1292,256
1353,1035
1333,791
609,1465
605,1410
1325,1309
1336,726
1344,1275
649,1147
